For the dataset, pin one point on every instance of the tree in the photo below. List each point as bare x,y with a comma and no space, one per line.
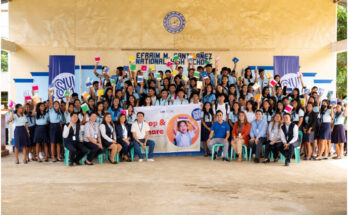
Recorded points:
341,75
4,61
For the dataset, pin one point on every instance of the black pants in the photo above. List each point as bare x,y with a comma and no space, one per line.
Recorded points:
288,152
275,148
76,150
6,135
94,151
125,146
256,148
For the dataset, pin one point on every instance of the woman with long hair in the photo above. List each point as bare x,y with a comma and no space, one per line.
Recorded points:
240,134
124,135
274,142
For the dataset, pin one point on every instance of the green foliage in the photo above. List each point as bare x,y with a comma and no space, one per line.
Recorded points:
4,61
341,75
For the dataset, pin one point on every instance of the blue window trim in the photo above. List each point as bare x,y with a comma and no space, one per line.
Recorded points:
322,81
23,80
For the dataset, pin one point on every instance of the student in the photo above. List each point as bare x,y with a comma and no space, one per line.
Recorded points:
180,100
274,142
338,136
250,113
72,135
183,136
309,124
241,130
221,132
55,128
324,134
207,120
131,116
140,131
100,112
222,106
21,132
258,135
297,113
115,109
31,126
108,137
208,95
41,132
92,139
163,101
289,137
124,135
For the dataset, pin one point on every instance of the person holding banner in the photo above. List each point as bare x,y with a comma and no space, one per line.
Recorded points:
221,129
72,135
124,135
140,130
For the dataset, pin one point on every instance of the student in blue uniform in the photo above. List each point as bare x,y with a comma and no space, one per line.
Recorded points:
73,140
324,134
207,122
55,129
31,126
338,136
124,135
21,132
41,132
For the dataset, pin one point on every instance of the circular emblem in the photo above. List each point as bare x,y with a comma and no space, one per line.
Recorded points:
174,22
62,82
290,80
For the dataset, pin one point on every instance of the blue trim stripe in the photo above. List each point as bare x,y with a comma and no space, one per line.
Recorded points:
87,67
322,81
23,80
266,67
252,67
39,73
309,74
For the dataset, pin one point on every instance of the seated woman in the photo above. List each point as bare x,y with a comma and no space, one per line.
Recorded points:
108,137
124,135
73,140
274,142
92,139
240,134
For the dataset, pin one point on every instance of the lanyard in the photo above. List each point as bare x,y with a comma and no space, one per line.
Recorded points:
140,129
93,128
257,125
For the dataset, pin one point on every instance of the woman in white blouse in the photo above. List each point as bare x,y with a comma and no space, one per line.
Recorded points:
274,142
108,136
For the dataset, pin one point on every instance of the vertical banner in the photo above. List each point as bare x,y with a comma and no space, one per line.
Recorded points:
287,68
175,128
62,74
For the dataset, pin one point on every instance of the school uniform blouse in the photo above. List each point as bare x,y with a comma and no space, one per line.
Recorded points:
54,117
178,102
42,120
103,132
30,120
326,116
296,116
131,118
310,120
208,117
233,117
161,102
267,116
249,81
279,98
66,132
114,113
250,116
275,132
92,131
99,118
339,118
209,98
19,120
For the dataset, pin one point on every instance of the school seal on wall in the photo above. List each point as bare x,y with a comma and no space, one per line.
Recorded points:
174,22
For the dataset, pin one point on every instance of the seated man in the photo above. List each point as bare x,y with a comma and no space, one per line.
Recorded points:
221,129
258,134
140,131
289,137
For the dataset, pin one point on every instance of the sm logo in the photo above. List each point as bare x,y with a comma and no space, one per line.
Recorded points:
62,82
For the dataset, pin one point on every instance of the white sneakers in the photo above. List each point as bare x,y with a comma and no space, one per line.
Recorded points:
150,160
30,156
40,155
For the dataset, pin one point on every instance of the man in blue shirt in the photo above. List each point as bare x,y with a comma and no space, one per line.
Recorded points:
258,134
221,129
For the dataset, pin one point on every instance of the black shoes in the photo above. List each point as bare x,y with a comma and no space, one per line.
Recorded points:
266,161
215,155
225,159
257,160
287,163
71,164
275,160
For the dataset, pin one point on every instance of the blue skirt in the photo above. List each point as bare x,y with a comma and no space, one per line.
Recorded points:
338,134
21,137
41,134
205,132
325,131
55,133
106,144
308,137
32,135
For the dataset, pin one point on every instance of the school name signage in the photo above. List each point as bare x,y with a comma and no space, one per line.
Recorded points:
200,58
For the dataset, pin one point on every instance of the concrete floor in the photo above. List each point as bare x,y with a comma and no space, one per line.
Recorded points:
174,185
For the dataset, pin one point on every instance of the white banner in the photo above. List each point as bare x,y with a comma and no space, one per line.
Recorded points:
174,128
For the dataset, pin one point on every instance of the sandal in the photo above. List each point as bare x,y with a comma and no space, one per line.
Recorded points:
17,162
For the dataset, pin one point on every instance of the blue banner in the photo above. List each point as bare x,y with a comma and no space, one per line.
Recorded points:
287,68
62,74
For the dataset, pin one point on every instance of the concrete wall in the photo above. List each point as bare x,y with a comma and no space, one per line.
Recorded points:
252,30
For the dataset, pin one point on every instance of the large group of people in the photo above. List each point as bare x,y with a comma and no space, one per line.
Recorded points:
248,109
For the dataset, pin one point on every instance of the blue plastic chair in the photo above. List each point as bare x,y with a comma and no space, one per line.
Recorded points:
244,153
215,148
141,149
